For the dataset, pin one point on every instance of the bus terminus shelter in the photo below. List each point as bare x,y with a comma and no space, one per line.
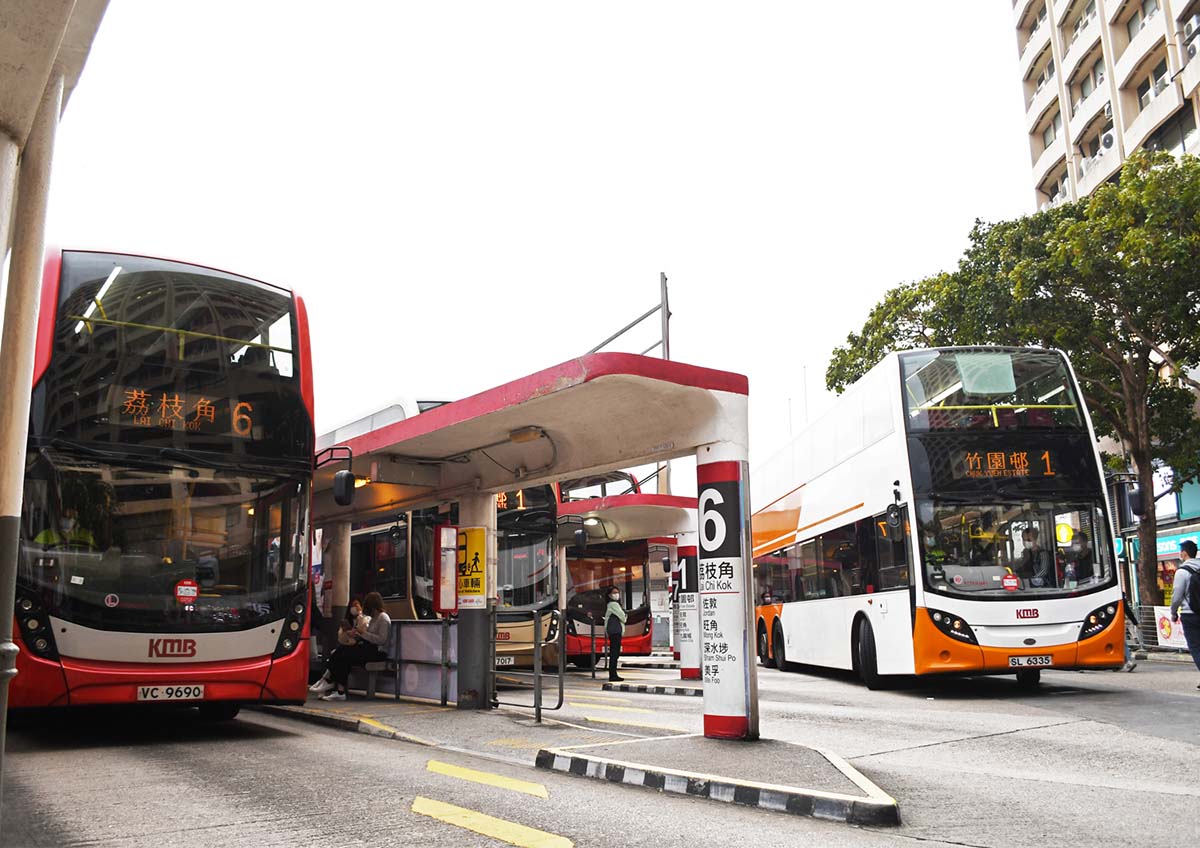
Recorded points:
598,413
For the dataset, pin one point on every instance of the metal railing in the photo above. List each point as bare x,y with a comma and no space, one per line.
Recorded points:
533,678
422,645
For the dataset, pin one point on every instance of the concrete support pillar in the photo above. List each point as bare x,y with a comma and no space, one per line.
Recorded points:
337,566
475,628
17,353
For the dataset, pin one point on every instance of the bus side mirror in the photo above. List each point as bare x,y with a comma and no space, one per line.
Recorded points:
893,516
1137,504
343,488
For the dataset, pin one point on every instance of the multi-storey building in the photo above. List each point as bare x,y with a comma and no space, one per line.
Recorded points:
1103,78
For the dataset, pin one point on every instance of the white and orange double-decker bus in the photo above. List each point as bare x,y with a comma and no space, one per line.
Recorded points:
946,516
164,532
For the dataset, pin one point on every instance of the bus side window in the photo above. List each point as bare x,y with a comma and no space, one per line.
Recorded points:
810,571
892,551
869,578
795,573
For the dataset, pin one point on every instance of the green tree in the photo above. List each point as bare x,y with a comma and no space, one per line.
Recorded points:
1113,281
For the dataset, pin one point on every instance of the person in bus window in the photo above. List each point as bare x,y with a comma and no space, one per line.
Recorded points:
68,533
1081,556
614,629
370,648
1036,565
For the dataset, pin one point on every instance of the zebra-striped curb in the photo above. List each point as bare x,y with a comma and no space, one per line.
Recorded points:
652,690
635,665
877,808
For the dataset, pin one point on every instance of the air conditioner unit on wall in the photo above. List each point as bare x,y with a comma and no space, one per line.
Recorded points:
1192,25
1191,50
1108,140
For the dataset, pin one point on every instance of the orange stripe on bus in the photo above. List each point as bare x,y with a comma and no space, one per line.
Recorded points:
800,530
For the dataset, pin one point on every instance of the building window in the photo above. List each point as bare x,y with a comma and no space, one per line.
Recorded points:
1052,129
1081,23
1093,78
1094,148
1141,17
1056,189
1177,136
1044,77
1152,85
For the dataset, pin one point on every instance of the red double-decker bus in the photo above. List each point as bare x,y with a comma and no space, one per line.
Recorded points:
164,553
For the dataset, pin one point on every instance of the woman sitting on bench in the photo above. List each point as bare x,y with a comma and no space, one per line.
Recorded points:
370,647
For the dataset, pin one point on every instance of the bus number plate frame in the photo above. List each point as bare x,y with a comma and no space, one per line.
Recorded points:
1038,661
184,692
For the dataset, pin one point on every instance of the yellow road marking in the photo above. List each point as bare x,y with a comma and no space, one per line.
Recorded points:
610,707
486,777
625,723
505,831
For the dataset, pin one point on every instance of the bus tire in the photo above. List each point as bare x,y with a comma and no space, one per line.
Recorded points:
219,711
1029,678
780,652
868,661
764,647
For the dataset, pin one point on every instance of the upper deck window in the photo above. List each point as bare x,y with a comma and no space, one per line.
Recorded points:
988,389
172,315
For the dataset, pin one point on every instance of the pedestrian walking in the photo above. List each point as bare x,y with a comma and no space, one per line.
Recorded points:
614,629
1185,599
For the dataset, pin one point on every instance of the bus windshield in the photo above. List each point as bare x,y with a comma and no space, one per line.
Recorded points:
152,547
1002,550
592,573
988,389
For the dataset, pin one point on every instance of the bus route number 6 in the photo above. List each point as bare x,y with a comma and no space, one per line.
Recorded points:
242,422
711,518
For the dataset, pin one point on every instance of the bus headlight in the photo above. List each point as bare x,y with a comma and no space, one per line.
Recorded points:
289,631
1098,619
32,621
953,626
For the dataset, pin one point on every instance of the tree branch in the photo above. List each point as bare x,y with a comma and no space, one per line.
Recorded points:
1159,351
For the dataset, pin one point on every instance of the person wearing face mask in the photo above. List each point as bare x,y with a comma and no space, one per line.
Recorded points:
350,631
68,533
1036,565
614,629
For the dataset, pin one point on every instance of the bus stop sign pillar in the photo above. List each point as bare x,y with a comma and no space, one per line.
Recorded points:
726,634
475,629
687,615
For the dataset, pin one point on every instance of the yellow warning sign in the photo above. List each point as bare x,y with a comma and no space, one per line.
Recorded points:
472,568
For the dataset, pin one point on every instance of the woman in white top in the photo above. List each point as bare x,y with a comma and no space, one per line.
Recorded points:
370,648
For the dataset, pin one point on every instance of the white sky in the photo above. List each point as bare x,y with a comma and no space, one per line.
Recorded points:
465,193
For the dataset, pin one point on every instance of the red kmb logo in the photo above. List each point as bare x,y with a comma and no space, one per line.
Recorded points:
172,648
1027,613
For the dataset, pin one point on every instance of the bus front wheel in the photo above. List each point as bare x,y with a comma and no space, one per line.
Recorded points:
764,647
1029,677
868,661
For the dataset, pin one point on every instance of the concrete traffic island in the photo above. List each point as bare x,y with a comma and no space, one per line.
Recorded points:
767,774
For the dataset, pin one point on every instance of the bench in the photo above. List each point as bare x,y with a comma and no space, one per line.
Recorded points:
391,664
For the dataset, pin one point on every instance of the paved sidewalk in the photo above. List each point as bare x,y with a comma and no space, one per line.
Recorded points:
768,774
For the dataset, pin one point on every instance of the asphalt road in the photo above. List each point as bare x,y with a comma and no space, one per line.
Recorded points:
1096,758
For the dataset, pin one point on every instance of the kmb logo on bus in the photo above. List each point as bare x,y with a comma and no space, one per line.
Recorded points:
1027,613
172,648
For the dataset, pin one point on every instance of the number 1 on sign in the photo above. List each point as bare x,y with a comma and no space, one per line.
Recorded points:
1049,467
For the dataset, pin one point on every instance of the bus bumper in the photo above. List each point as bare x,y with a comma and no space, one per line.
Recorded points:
936,653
